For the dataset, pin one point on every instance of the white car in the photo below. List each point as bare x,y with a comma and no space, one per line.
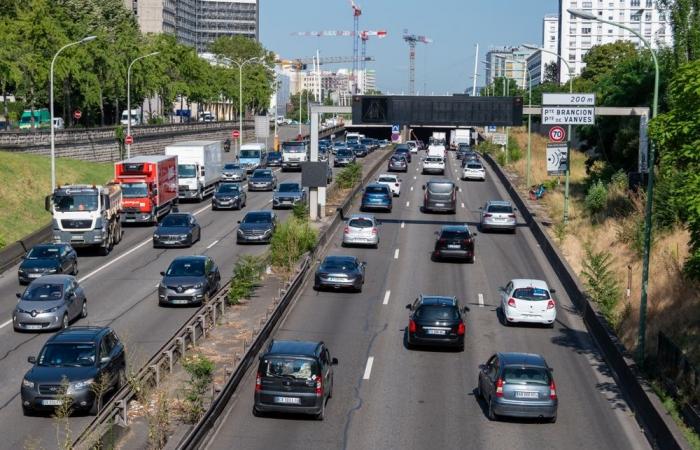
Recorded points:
473,170
412,146
434,164
361,229
392,181
528,301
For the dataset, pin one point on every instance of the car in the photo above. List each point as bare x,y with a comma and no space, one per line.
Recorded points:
437,321
256,227
402,149
454,242
369,143
343,157
233,172
433,164
340,272
323,154
51,302
360,150
77,358
338,145
528,301
45,259
469,157
262,180
361,229
288,194
384,142
274,159
462,148
473,170
228,196
398,163
376,196
440,196
498,215
177,230
412,146
392,181
294,377
189,280
518,385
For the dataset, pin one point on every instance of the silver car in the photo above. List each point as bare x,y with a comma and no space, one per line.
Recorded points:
49,303
498,215
233,172
361,229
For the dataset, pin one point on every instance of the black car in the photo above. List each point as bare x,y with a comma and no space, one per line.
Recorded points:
262,180
340,272
229,196
69,365
189,280
177,230
256,227
294,377
47,258
455,241
403,150
274,159
436,320
398,163
343,157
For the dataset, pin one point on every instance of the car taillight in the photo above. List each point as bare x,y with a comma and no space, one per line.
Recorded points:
512,216
511,302
552,390
461,329
442,240
499,387
550,304
258,383
467,241
411,326
488,215
347,229
374,231
319,386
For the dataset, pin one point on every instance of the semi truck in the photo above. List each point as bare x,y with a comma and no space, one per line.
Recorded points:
199,165
86,216
149,187
294,153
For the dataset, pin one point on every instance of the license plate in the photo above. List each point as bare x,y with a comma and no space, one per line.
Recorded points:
519,394
33,327
335,279
436,332
35,275
288,400
439,204
52,402
130,219
76,238
179,302
453,246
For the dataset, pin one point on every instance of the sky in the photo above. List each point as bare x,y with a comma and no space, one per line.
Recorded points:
444,66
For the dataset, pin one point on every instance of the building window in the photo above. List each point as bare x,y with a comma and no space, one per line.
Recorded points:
587,5
636,17
634,3
585,31
650,3
572,57
647,17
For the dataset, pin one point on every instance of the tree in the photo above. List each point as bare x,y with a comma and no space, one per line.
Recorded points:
603,59
294,100
551,72
685,25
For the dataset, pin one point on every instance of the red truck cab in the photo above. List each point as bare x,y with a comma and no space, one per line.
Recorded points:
149,187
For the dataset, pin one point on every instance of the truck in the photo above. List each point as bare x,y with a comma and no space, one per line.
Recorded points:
252,156
199,165
149,187
86,215
439,138
294,153
42,118
354,137
460,136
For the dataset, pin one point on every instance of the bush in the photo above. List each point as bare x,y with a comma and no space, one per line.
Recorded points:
201,370
596,199
246,275
291,239
601,285
631,232
349,176
301,211
618,181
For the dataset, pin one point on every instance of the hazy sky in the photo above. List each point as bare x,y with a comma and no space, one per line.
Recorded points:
455,26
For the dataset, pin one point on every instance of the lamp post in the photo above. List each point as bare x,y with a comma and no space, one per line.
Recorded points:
568,131
53,146
240,64
128,99
650,185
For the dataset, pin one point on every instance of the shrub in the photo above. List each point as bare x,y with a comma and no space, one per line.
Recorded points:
201,370
246,274
291,239
301,211
631,232
596,198
601,285
349,176
619,181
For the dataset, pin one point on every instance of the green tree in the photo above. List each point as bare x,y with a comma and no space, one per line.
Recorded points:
685,25
602,59
551,72
306,97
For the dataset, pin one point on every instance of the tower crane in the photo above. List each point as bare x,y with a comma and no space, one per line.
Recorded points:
412,39
300,64
356,13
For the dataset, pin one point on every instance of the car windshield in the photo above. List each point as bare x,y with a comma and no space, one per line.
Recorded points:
262,174
375,190
257,218
531,293
289,187
454,234
397,158
293,148
401,150
228,189
75,202
526,375
360,223
231,167
134,190
500,209
67,355
186,268
437,313
344,153
387,180
174,220
42,292
440,188
274,156
474,166
44,252
339,264
186,170
302,369
249,154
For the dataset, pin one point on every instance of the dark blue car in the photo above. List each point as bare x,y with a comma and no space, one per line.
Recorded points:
376,196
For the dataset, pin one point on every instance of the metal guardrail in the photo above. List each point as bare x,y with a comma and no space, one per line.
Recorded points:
12,253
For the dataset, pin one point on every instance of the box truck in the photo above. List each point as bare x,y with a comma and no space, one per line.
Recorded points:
149,187
199,165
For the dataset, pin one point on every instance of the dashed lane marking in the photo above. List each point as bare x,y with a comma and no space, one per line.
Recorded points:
368,368
396,254
386,298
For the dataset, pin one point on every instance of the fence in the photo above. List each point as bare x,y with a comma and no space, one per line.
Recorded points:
680,377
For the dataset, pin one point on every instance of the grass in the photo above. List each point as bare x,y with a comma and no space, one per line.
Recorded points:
26,180
674,410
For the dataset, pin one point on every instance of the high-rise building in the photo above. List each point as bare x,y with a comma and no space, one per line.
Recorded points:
509,62
538,60
577,36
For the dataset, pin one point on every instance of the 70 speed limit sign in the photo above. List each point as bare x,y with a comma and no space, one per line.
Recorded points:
557,134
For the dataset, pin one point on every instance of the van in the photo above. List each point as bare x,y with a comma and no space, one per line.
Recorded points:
42,118
252,156
135,117
436,150
440,196
294,377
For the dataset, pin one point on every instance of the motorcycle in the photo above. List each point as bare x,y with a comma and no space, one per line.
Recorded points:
537,191
227,145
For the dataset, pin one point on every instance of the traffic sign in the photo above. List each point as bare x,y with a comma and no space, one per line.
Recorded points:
129,139
235,134
557,98
568,115
77,114
395,129
557,134
491,128
499,138
557,159
395,137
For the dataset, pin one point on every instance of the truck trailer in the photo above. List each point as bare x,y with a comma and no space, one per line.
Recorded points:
199,165
149,187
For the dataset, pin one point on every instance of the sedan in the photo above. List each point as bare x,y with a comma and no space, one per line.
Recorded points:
233,172
498,215
361,229
228,196
262,180
398,163
393,182
45,259
339,272
288,194
436,320
189,280
433,164
49,303
177,230
256,227
473,170
518,385
528,301
455,241
360,150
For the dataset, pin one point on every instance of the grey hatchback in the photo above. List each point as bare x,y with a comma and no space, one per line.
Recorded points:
49,303
518,385
498,215
440,196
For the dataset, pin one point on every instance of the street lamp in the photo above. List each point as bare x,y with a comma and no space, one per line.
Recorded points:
128,99
650,183
53,148
240,64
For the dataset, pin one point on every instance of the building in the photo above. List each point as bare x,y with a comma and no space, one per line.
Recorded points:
510,62
577,36
538,60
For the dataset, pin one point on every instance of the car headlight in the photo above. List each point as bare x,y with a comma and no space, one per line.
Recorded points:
156,236
184,236
50,310
79,385
27,384
240,232
161,285
51,270
199,285
268,232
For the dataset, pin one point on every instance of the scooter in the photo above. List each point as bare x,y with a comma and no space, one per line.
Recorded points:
537,191
227,145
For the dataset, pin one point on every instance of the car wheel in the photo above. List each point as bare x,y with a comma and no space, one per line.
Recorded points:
257,413
83,310
95,407
121,379
27,411
322,414
65,322
491,414
214,208
504,318
553,419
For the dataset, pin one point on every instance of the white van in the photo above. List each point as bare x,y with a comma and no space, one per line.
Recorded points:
135,117
436,150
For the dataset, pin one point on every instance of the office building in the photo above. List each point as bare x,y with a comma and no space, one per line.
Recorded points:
538,60
509,62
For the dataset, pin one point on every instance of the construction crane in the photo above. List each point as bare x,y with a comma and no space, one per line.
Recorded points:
300,64
412,39
356,13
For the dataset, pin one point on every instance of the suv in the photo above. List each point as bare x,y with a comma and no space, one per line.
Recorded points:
294,377
189,280
455,241
498,215
68,365
440,195
436,320
376,196
434,164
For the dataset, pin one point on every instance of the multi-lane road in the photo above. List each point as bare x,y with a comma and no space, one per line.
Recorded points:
388,397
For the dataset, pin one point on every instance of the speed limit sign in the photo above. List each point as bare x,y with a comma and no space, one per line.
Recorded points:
557,134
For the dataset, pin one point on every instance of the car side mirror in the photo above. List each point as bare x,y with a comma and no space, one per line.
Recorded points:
31,359
334,361
475,234
515,209
105,359
47,203
409,306
364,263
481,207
552,291
482,366
423,187
162,274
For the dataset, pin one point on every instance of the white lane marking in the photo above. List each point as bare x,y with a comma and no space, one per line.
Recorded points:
462,205
403,224
212,244
200,210
4,324
411,188
386,298
123,255
158,284
481,300
396,254
368,368
407,204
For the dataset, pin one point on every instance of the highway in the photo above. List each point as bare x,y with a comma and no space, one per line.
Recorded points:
121,292
388,397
